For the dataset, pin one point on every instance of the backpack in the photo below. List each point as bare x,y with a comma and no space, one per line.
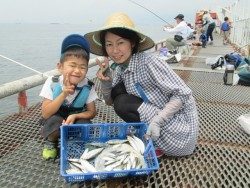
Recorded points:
234,58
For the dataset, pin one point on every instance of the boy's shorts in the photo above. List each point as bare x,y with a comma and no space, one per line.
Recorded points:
225,34
54,123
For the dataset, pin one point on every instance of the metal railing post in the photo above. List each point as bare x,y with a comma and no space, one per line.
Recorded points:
22,102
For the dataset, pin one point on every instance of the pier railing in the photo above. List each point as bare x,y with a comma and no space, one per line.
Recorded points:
20,86
239,14
17,86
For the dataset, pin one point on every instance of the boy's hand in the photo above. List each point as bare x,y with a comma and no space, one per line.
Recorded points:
103,67
70,119
68,88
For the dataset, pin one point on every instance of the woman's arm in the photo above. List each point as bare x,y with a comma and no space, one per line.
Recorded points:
171,85
172,107
106,87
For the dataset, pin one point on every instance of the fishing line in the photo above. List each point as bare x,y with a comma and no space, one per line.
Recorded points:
21,64
150,12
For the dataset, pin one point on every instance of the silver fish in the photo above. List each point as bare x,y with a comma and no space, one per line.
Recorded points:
113,165
73,171
97,144
87,166
134,144
139,144
116,141
91,154
74,160
78,166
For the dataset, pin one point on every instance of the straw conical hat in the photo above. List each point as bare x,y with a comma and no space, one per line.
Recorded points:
117,20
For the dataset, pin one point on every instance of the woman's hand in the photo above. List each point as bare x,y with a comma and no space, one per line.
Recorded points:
104,65
153,131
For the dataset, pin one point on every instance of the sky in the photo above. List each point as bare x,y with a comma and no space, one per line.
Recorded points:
95,11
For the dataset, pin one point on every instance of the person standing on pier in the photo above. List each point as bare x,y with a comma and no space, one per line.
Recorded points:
225,30
143,88
208,25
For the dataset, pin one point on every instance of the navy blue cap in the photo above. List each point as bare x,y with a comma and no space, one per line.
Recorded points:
75,40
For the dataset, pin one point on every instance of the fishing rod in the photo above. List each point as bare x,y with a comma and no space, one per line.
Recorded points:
21,64
150,12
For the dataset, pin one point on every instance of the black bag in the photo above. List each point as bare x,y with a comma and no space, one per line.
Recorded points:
178,38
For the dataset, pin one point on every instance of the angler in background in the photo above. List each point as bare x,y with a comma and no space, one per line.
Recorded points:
69,98
143,88
225,30
181,31
208,25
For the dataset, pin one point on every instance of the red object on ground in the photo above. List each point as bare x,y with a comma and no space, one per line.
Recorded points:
159,152
22,101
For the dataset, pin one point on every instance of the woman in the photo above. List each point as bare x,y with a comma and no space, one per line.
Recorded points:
144,88
208,25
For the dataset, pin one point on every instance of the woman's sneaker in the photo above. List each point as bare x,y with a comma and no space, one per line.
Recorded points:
49,150
159,152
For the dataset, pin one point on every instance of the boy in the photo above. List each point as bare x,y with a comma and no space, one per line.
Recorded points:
68,98
203,38
225,30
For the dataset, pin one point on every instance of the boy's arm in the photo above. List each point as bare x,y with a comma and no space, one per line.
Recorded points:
90,113
50,107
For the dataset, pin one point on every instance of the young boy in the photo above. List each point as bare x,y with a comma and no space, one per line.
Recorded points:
225,30
203,38
68,98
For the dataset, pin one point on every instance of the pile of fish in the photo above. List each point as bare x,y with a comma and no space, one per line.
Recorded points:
113,155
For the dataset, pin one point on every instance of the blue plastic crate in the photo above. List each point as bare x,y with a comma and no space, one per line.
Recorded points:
74,137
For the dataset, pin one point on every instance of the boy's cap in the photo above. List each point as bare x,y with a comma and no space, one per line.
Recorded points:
179,16
75,40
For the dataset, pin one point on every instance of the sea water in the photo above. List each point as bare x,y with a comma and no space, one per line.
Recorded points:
38,46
